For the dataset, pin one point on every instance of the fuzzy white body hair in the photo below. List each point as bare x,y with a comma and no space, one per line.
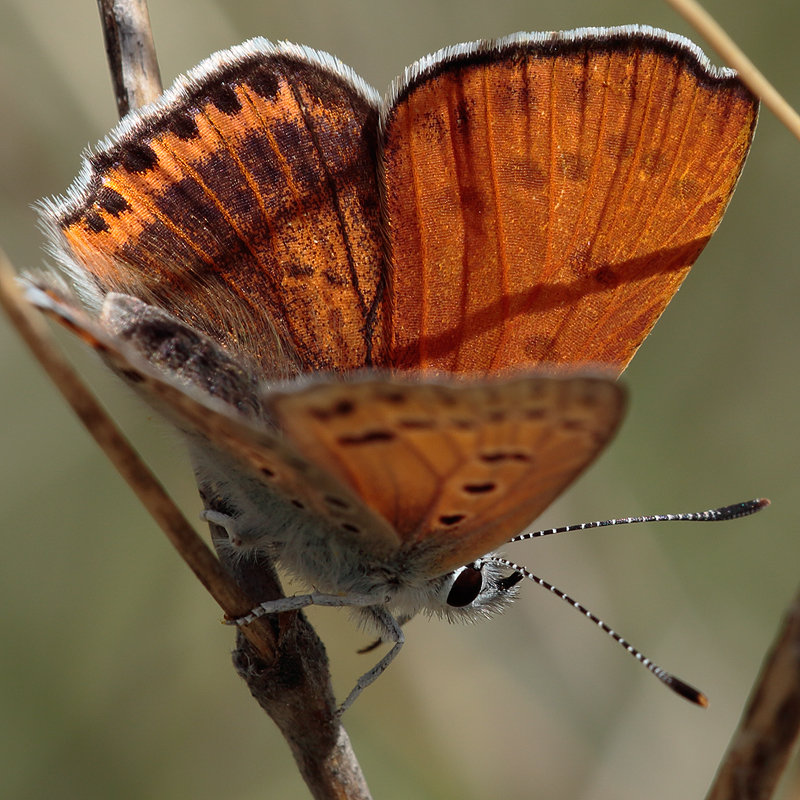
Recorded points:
310,547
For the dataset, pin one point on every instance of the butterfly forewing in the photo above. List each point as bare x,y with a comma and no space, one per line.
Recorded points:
245,203
454,469
546,196
542,196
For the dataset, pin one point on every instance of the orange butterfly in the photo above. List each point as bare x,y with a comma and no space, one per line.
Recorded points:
365,315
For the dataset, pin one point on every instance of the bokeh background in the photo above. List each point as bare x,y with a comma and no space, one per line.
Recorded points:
114,672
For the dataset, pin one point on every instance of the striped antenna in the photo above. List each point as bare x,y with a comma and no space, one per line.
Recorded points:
714,515
676,684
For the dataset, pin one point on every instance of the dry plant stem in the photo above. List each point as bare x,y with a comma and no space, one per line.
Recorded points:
295,689
32,328
770,725
286,670
769,728
707,27
131,53
282,661
34,331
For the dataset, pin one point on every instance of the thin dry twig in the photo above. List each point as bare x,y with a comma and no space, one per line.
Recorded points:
31,326
131,53
285,669
710,29
770,725
768,731
295,690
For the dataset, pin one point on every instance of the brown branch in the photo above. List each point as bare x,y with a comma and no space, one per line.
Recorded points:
131,53
769,728
183,537
770,725
732,55
295,690
285,667
286,671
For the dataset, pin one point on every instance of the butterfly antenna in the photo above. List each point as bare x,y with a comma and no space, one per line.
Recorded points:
714,515
676,684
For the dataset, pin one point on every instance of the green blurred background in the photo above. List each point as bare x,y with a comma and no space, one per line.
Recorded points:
114,672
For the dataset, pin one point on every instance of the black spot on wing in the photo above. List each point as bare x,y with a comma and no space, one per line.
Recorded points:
369,437
95,222
479,488
182,125
504,455
111,201
137,157
224,98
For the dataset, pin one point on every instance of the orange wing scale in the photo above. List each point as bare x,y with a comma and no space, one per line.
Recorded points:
544,207
455,469
249,210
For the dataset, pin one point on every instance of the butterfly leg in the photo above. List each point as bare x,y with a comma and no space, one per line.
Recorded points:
283,604
225,521
382,618
393,633
401,620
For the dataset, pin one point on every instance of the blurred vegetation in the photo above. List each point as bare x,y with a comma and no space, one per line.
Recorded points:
114,674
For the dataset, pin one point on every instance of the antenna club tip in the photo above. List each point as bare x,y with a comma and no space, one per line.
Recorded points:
740,509
688,692
755,505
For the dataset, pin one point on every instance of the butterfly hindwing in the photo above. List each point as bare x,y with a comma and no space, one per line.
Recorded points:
454,469
459,468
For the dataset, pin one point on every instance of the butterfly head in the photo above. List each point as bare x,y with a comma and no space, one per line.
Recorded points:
476,591
480,588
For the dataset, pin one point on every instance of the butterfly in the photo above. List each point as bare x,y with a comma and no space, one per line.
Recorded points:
390,329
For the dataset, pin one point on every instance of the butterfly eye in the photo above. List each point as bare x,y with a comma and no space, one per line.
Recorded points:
466,587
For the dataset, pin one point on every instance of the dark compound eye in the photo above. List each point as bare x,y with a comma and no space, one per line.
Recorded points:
466,587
